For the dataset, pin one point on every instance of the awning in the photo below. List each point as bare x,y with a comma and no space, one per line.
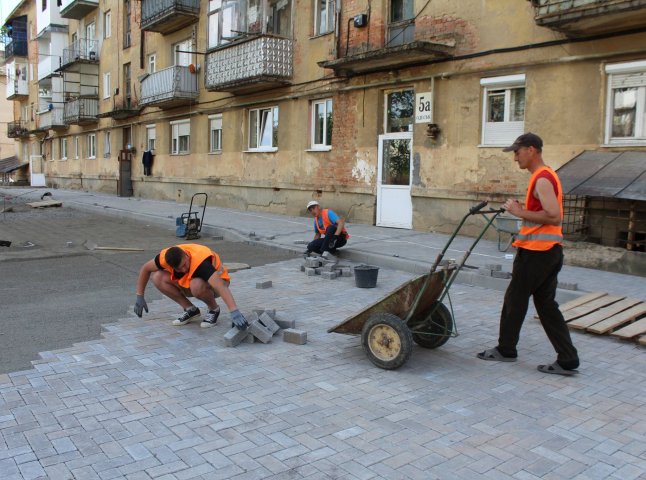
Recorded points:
606,174
9,164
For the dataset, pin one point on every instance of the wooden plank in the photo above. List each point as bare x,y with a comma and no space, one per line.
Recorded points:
45,203
631,330
619,319
590,307
581,300
603,313
642,340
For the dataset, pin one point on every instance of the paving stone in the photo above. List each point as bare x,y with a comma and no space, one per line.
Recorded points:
292,335
329,275
494,267
235,336
259,331
285,322
264,284
310,272
312,262
268,322
568,285
500,274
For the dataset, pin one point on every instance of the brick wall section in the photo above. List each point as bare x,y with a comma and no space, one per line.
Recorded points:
432,28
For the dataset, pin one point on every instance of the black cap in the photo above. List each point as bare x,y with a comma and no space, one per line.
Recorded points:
528,139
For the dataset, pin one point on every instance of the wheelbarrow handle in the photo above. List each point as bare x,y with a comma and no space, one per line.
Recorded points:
476,208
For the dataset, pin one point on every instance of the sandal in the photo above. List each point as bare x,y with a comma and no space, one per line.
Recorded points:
495,356
556,369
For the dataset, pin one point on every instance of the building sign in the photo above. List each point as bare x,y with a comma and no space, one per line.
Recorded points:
424,107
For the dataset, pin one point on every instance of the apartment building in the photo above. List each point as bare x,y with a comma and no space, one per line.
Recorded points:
392,112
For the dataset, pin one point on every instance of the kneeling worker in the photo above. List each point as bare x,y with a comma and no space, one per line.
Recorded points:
190,270
329,231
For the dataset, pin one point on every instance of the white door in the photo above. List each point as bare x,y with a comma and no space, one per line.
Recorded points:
394,204
90,33
180,55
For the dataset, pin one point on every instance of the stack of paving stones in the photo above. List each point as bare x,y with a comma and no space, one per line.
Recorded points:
316,266
263,325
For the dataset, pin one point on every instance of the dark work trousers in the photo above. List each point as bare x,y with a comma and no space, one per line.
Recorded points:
535,274
327,243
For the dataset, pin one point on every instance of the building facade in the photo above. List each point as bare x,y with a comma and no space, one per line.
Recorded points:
392,112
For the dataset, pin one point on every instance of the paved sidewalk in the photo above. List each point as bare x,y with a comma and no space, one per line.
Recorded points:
155,401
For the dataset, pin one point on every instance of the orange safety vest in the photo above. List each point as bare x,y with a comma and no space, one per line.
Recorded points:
326,223
197,254
536,236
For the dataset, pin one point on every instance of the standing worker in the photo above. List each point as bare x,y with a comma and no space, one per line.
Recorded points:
189,270
329,231
537,264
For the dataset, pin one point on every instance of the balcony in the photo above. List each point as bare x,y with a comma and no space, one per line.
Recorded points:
581,18
15,48
17,130
170,87
121,110
81,111
77,9
255,64
389,58
17,88
51,119
47,67
167,16
82,51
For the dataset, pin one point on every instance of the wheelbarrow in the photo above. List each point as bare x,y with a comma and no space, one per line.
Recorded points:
414,312
506,224
189,224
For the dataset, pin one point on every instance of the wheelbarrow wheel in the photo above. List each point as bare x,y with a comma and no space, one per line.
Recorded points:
434,329
386,340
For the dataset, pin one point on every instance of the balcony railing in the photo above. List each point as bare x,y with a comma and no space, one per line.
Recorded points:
261,62
81,51
167,16
169,87
15,48
579,18
17,129
51,119
77,9
81,111
17,88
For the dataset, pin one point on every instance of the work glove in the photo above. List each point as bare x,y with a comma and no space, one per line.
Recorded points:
238,320
140,305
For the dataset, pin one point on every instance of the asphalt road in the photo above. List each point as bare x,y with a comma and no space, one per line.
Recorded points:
54,293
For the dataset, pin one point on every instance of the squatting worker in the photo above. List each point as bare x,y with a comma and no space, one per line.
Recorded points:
538,261
329,231
189,270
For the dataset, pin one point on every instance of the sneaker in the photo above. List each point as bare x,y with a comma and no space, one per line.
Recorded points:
328,257
211,318
187,316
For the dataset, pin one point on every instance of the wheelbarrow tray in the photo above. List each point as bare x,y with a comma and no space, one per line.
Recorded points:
507,224
399,301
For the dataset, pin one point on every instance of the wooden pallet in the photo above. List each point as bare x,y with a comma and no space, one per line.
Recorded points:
601,313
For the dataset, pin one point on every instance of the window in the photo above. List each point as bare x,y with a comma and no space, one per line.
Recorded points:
64,148
76,148
106,85
215,133
180,137
126,23
91,145
44,5
151,135
127,83
626,104
263,129
401,27
400,111
322,124
106,145
503,110
152,63
323,16
107,24
233,19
